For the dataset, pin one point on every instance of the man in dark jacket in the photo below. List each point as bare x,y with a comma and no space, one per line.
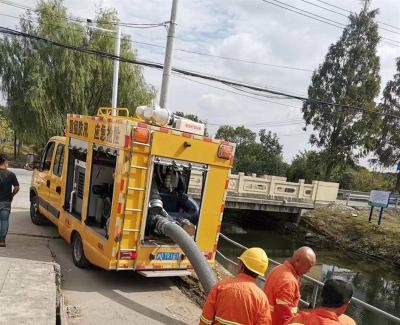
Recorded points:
9,186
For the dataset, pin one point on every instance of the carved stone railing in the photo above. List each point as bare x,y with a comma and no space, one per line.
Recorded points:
275,187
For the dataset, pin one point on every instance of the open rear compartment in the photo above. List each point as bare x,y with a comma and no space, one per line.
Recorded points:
176,193
101,189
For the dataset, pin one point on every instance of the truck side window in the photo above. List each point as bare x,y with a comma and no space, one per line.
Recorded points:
58,161
47,155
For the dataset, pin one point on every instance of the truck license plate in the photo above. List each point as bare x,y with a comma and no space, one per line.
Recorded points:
167,256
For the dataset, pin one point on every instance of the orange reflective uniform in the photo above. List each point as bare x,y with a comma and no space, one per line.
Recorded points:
346,320
317,316
236,301
282,288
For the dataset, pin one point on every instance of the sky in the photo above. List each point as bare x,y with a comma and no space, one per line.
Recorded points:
250,30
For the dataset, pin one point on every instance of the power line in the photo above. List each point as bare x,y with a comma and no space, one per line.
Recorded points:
194,52
236,93
189,73
344,15
319,18
83,20
348,11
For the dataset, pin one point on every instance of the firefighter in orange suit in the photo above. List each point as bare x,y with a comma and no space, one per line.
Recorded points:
238,300
336,295
282,285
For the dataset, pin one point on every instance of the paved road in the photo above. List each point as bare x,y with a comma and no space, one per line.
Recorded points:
95,296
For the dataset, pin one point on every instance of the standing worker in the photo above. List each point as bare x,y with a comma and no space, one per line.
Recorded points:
282,285
9,186
238,300
336,295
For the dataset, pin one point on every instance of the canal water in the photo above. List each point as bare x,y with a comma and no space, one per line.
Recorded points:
373,281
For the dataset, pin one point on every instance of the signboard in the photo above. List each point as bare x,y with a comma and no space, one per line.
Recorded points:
398,167
379,199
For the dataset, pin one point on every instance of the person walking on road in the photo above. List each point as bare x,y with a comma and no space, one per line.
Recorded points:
238,300
336,295
282,285
9,186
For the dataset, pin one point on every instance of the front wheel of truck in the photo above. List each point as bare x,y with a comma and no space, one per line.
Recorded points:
78,255
36,217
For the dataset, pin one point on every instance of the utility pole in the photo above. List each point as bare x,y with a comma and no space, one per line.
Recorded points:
168,55
116,70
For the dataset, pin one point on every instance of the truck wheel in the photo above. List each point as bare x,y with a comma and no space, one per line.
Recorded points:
78,255
36,217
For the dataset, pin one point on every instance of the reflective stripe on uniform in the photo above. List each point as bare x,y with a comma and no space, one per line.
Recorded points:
205,320
294,310
226,322
281,302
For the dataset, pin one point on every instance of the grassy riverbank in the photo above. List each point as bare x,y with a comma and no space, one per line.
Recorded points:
348,229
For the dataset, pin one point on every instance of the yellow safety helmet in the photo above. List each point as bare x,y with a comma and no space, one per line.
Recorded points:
255,259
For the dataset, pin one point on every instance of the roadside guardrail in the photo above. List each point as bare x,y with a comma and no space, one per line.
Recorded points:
317,285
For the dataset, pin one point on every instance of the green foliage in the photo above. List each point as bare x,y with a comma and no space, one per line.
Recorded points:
264,157
348,76
388,150
363,180
307,165
43,82
5,130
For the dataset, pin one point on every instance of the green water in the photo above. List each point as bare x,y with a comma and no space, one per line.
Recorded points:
373,282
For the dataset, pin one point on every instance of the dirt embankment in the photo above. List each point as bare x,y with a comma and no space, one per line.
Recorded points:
349,229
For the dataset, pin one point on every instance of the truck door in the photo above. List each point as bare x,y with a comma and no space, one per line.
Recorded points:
55,199
43,179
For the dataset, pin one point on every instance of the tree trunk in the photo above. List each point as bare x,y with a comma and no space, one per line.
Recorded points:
19,147
15,146
397,189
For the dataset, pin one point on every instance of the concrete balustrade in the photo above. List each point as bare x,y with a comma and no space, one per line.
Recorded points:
274,188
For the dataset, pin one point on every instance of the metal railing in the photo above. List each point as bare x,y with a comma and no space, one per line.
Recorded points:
316,285
348,196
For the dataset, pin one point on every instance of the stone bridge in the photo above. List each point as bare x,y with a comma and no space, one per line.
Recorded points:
272,193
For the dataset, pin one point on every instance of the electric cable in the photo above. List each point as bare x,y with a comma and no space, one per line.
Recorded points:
321,18
190,51
344,15
156,65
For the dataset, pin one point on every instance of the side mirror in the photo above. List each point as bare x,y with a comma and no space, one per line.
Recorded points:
32,165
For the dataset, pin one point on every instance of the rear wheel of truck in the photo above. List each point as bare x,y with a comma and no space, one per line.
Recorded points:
78,255
36,217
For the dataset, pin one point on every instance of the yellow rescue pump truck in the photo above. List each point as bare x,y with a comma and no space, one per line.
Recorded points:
141,193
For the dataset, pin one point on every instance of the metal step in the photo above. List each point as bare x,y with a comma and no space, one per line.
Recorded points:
130,230
134,210
139,167
166,273
135,189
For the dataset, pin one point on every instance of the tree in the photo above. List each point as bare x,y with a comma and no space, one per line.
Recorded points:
307,165
42,82
239,135
388,149
264,157
348,76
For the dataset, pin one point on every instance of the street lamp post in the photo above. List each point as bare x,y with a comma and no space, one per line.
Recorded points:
117,48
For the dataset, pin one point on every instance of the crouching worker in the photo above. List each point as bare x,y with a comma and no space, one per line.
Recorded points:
238,300
336,295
